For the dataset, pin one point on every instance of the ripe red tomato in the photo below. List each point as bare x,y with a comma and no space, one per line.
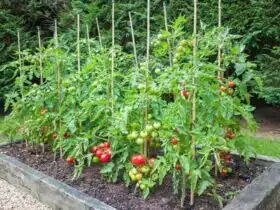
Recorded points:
70,160
178,166
138,159
105,158
94,149
230,135
224,172
107,144
231,84
99,153
174,141
185,93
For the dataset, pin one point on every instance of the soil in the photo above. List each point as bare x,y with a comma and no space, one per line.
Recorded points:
122,198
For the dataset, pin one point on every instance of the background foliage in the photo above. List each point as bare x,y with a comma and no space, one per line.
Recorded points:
256,21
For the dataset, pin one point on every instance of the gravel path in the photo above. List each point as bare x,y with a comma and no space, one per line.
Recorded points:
16,199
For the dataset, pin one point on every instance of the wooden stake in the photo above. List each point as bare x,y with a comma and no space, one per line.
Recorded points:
193,117
113,56
58,79
166,29
88,40
21,75
40,56
220,72
133,41
147,73
20,64
98,31
78,43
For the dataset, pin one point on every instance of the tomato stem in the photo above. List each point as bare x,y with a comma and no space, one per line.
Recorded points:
88,39
98,31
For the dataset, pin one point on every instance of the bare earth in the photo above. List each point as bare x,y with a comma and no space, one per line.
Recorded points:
12,198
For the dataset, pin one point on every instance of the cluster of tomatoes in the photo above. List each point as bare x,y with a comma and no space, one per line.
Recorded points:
149,134
229,89
103,152
226,160
141,169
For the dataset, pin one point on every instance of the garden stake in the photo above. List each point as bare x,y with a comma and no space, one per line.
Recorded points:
193,117
98,31
21,75
88,40
40,56
220,72
113,56
78,43
147,73
166,29
134,45
57,79
41,70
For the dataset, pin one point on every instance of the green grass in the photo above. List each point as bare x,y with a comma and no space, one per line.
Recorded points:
265,146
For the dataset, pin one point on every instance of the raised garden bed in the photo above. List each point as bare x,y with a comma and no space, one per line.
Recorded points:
118,196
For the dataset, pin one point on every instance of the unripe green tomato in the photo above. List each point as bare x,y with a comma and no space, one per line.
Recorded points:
139,141
229,170
129,137
149,116
157,71
180,50
95,159
149,128
176,147
143,186
133,177
138,184
134,135
143,134
154,177
156,125
154,134
223,94
130,173
35,85
134,125
183,43
175,60
138,176
145,169
134,171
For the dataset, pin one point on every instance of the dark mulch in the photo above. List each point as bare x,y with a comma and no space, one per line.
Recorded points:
122,198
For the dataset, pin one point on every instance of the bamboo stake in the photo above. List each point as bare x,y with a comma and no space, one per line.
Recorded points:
166,29
40,55
220,72
58,79
88,40
78,43
193,117
147,73
21,75
98,31
133,41
113,56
